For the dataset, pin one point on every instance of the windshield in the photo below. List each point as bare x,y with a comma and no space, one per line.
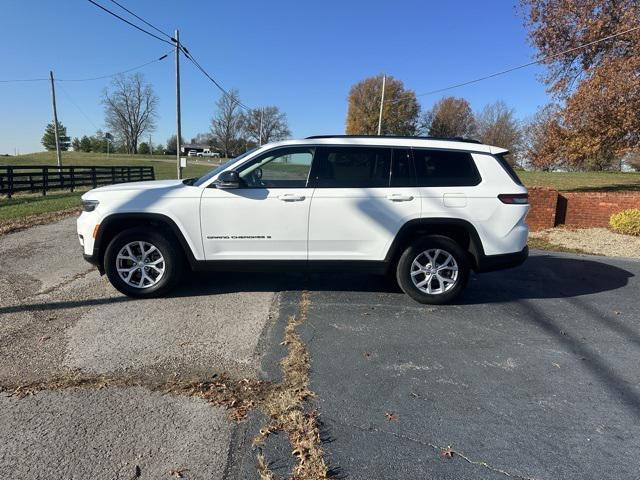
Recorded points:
206,177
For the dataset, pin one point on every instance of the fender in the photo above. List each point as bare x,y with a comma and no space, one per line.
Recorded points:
438,225
136,219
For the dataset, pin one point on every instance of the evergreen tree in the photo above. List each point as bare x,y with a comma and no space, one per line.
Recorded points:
49,137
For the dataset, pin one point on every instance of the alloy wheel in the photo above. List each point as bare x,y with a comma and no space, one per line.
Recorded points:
140,264
434,271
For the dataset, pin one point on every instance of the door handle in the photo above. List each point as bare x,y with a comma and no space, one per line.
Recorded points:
290,197
398,197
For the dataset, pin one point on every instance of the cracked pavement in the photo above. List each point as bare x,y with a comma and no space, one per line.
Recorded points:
58,316
534,374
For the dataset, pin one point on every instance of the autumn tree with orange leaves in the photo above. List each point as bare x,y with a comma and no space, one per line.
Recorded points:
598,87
399,115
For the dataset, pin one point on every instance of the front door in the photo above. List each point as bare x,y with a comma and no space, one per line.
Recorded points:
266,218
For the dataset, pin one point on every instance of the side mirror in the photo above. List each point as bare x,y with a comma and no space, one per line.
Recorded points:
228,179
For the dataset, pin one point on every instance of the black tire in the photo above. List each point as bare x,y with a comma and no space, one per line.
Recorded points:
449,293
167,247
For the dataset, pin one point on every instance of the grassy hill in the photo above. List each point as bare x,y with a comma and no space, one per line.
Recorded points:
24,205
165,167
582,181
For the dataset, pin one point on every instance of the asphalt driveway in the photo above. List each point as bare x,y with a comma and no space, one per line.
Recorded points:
534,374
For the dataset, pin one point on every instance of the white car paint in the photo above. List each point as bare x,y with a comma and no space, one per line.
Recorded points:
318,223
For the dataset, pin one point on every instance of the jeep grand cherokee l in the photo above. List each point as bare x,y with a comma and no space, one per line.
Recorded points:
426,210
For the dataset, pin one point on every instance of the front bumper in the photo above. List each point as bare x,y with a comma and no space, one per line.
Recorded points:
491,263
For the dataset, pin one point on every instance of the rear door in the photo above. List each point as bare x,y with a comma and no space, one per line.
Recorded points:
363,196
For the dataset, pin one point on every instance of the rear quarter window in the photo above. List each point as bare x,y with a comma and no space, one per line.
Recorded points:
442,168
506,166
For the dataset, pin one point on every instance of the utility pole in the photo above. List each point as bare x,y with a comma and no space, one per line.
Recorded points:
150,145
178,123
261,115
55,119
384,81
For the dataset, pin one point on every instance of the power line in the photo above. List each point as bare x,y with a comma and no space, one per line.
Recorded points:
138,67
129,23
518,67
190,57
24,80
183,49
144,21
68,95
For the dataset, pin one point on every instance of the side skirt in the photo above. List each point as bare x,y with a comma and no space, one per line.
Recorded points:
373,267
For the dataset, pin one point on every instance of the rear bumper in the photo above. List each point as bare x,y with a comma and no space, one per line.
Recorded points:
490,263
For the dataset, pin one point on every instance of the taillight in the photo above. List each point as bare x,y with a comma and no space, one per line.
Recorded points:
514,198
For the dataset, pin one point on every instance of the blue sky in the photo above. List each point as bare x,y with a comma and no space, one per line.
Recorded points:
300,56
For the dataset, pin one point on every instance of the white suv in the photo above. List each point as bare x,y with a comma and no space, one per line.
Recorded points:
426,210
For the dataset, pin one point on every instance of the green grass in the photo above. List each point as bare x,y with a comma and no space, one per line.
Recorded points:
22,205
582,181
25,205
164,166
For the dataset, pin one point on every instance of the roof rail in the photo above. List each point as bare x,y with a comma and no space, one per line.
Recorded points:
409,137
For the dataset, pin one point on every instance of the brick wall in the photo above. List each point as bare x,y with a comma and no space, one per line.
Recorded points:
544,203
576,209
593,209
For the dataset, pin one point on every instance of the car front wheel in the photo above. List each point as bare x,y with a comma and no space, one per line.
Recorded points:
142,263
433,270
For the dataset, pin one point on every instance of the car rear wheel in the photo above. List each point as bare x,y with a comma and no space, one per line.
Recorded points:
142,263
433,270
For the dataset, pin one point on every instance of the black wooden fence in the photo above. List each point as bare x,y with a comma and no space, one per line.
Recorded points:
44,178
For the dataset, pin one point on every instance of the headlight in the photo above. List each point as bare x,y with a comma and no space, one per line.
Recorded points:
89,205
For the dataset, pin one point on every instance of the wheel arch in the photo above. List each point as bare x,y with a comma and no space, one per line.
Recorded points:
115,223
462,231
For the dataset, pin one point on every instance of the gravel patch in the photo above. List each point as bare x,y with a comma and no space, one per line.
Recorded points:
598,241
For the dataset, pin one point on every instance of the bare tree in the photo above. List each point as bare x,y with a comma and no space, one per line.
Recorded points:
449,117
274,124
497,125
226,125
130,109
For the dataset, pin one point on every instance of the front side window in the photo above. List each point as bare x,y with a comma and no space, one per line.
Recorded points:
442,168
282,168
353,167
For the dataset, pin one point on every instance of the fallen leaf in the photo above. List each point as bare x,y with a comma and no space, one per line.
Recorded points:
178,473
391,417
555,365
447,452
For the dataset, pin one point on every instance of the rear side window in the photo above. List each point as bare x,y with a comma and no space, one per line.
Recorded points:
402,174
441,168
353,167
506,166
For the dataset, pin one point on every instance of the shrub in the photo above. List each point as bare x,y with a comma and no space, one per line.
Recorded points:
626,222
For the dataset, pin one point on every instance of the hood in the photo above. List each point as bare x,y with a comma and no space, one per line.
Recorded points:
149,185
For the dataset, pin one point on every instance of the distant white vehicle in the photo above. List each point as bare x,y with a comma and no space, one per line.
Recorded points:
192,153
208,153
